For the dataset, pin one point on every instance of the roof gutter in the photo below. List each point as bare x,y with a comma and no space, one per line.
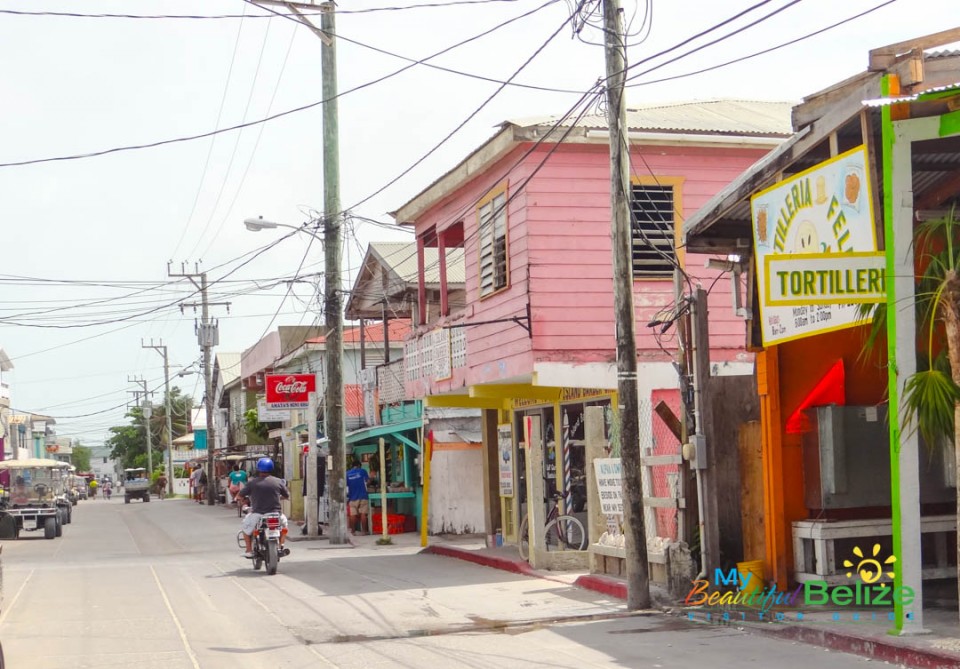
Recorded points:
691,139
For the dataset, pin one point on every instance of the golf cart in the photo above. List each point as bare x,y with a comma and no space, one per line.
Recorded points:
136,485
34,499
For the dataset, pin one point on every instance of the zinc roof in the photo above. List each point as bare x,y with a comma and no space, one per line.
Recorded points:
732,117
401,258
229,364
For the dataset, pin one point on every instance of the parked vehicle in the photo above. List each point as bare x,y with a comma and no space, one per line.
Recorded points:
136,485
35,499
266,542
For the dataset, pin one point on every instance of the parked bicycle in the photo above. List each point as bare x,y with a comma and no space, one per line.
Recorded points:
562,532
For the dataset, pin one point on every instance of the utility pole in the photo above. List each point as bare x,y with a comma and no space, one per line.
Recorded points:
147,412
162,350
208,335
637,567
333,242
703,418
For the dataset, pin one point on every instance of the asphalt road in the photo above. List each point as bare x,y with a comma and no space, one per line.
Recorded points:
163,585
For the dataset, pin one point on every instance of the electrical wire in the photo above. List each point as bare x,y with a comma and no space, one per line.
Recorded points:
369,10
271,117
236,143
763,51
213,140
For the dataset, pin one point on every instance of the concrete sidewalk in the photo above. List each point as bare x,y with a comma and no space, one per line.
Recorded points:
867,637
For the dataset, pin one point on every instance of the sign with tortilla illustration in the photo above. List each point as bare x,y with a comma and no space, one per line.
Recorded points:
826,209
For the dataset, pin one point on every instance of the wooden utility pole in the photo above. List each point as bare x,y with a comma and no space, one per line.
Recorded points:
637,567
162,350
703,413
333,295
333,242
208,335
146,418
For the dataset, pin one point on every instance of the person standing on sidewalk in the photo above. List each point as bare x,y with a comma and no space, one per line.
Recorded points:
358,501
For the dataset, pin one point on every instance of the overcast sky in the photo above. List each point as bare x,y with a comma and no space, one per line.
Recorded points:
86,243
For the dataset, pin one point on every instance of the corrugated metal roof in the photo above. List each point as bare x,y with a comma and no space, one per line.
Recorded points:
229,367
401,257
726,117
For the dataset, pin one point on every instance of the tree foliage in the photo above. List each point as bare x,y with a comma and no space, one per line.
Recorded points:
81,458
128,443
254,426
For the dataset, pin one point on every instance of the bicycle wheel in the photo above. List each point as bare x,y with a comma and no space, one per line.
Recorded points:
565,533
523,543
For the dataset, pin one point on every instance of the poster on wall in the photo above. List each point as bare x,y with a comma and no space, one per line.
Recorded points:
827,209
505,458
609,485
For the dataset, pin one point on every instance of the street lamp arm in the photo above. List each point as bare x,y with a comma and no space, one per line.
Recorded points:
258,224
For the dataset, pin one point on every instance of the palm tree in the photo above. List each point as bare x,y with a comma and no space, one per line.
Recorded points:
931,398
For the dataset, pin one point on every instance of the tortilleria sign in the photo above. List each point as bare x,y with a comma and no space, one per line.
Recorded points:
826,279
289,391
824,211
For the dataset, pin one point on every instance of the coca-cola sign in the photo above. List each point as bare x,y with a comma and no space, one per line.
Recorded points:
289,391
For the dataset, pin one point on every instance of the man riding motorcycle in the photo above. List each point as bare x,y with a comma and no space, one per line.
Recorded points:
263,494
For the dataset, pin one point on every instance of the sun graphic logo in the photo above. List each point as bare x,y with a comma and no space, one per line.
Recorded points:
869,569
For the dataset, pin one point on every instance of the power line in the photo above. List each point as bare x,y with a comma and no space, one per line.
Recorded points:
764,51
271,117
369,10
213,140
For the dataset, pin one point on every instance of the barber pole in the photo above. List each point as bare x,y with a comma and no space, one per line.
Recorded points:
567,474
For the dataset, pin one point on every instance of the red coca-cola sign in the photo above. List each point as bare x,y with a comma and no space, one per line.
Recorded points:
289,391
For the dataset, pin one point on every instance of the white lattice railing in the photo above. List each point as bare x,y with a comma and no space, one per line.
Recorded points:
390,384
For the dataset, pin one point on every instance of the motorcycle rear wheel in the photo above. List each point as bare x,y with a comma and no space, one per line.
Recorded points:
273,557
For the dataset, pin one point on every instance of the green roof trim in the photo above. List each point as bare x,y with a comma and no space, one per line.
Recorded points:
359,436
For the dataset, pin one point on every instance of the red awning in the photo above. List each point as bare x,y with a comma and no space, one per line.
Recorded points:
829,390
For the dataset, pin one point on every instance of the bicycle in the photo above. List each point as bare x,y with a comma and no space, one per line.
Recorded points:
562,532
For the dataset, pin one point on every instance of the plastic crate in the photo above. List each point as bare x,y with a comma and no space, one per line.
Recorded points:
395,523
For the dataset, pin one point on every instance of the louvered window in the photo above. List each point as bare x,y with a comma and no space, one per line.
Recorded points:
493,245
652,230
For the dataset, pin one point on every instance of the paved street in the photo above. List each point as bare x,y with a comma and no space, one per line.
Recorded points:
162,585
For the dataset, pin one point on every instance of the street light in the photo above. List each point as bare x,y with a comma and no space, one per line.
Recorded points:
333,418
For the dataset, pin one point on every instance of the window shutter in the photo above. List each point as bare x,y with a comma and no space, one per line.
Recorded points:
652,231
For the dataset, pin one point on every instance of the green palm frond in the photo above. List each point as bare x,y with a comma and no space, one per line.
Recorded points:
929,400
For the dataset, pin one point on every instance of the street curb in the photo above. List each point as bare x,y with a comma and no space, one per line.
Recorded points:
862,646
846,643
504,564
603,585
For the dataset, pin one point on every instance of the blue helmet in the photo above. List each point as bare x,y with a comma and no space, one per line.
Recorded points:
264,465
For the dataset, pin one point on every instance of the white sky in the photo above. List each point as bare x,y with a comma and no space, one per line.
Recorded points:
76,85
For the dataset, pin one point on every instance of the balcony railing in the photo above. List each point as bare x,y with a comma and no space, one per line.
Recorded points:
390,386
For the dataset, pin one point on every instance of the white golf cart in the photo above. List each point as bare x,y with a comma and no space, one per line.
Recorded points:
34,498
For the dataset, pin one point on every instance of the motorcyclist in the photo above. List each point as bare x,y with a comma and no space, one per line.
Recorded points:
263,494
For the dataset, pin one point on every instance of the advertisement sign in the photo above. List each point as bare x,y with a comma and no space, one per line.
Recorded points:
828,278
505,459
827,209
289,391
267,415
609,485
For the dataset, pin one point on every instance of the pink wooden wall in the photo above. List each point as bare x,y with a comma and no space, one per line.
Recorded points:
560,256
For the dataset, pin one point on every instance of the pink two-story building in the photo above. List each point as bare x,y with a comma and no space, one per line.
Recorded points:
534,332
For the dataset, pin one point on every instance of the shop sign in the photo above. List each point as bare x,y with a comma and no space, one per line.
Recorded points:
267,415
505,459
827,209
609,485
289,391
825,279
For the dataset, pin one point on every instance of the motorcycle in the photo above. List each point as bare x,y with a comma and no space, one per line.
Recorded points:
266,542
